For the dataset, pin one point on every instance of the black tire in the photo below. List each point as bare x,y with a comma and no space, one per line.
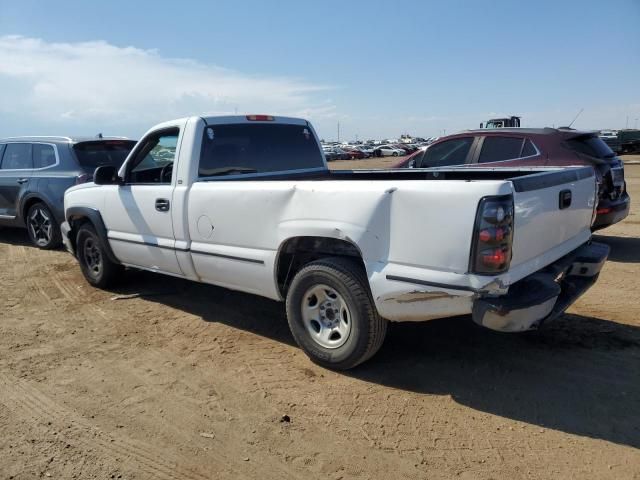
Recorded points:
95,264
42,228
367,329
395,154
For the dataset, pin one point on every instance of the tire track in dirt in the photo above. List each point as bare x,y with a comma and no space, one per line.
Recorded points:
26,401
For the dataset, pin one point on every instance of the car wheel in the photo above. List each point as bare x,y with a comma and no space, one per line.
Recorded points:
95,264
43,230
332,315
395,154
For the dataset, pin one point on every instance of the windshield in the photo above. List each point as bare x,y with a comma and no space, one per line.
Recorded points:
258,148
98,153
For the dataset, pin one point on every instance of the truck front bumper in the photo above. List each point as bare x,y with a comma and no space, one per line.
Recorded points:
543,295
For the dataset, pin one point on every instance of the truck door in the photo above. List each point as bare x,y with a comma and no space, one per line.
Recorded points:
138,214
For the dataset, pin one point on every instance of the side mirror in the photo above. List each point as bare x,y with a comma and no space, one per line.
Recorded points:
106,175
481,125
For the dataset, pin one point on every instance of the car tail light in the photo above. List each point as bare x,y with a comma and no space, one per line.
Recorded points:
84,178
493,236
260,118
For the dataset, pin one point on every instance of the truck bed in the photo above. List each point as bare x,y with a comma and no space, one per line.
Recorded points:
523,179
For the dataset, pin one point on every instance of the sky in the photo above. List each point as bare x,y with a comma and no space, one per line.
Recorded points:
377,69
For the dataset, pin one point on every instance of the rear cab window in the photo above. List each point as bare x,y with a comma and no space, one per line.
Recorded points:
235,149
98,153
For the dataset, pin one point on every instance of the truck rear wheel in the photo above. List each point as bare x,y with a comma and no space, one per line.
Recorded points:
95,264
332,315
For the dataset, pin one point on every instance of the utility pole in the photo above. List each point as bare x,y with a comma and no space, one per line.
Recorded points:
338,131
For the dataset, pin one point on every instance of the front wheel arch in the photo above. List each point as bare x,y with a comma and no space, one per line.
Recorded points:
79,216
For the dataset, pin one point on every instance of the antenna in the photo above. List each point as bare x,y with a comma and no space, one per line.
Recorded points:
576,117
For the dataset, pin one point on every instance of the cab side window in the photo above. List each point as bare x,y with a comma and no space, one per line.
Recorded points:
451,152
17,156
154,160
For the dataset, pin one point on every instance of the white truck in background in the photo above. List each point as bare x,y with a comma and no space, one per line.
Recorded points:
247,203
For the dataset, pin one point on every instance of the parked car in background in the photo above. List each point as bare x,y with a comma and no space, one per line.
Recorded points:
367,150
388,151
355,153
36,171
622,142
330,154
407,147
629,141
535,147
342,153
610,137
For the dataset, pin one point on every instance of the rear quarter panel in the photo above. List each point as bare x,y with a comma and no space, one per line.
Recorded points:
424,226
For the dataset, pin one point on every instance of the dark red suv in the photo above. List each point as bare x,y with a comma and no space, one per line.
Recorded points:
535,147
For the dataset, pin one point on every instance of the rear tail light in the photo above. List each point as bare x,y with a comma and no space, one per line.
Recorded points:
84,178
493,236
260,118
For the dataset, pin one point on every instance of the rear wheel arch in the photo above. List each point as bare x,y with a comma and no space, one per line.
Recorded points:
296,252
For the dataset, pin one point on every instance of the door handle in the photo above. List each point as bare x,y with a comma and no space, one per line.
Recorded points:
565,199
162,204
22,180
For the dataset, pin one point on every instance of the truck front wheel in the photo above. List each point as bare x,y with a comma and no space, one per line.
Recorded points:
332,315
95,264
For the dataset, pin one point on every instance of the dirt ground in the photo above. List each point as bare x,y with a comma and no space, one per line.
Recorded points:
168,379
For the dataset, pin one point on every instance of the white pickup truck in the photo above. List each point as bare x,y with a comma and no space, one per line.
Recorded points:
247,203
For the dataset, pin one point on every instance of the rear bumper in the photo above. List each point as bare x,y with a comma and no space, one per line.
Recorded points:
543,295
612,212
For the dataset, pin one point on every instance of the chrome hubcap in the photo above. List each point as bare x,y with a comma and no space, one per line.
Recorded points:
40,227
92,257
326,316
